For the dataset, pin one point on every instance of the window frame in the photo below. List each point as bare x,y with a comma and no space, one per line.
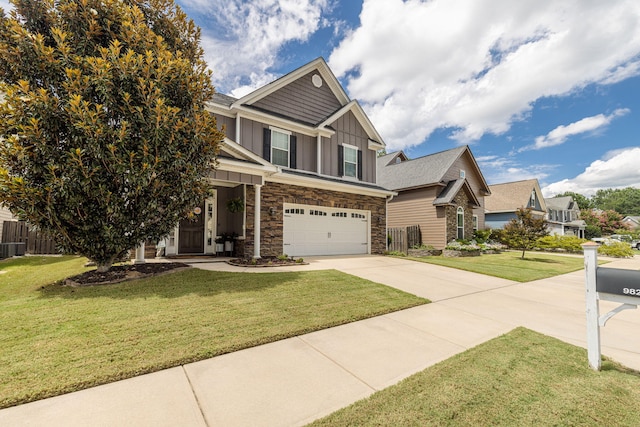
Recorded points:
355,149
460,224
288,150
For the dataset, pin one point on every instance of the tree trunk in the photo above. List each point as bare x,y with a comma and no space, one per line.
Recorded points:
103,268
522,257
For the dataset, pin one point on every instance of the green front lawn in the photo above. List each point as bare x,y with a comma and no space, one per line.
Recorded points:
59,339
519,379
509,265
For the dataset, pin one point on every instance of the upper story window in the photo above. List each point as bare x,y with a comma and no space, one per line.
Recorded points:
279,147
349,161
532,201
463,174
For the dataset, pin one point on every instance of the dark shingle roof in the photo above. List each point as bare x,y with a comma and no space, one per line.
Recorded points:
220,98
427,170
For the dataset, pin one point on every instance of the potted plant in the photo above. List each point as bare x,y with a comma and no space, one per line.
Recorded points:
235,205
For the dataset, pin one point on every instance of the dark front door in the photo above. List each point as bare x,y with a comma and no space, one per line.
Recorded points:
191,234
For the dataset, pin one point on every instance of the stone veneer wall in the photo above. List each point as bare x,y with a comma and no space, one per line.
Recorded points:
274,195
461,199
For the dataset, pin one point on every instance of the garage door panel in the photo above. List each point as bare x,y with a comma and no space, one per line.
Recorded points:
314,230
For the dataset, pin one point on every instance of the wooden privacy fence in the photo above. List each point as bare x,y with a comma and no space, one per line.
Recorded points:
36,242
400,239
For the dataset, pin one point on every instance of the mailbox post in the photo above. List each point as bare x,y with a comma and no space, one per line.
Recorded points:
607,284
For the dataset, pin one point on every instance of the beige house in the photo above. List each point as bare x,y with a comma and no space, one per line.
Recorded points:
443,193
296,174
508,197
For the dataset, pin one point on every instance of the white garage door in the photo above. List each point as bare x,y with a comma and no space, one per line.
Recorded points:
315,230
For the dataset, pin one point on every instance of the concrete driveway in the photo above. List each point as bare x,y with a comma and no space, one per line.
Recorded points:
294,381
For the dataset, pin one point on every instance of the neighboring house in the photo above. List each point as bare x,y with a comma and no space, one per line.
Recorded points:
443,193
563,217
632,222
299,160
507,198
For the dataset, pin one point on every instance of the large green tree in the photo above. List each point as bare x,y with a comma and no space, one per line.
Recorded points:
602,222
104,137
625,201
523,231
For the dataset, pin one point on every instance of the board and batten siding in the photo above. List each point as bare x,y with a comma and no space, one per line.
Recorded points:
348,131
252,134
301,100
415,207
5,215
229,124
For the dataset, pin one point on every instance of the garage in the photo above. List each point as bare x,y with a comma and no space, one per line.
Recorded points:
316,230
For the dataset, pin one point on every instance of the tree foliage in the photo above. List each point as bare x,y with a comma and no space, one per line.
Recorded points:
523,231
625,201
602,222
104,137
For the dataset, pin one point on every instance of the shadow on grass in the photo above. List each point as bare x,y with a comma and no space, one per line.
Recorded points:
610,365
181,283
542,260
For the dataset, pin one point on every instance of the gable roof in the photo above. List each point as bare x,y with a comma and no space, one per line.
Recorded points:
562,203
510,196
319,64
451,189
228,105
420,172
387,159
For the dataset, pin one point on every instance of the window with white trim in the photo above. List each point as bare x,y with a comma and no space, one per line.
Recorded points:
350,161
475,223
279,148
460,221
463,174
532,202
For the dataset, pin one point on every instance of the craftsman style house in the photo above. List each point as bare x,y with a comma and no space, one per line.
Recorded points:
295,175
443,193
563,217
507,198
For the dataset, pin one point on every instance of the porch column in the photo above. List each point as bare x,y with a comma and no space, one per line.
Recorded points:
256,223
140,254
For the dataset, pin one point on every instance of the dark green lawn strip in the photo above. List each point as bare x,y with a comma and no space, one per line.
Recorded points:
509,265
519,379
58,339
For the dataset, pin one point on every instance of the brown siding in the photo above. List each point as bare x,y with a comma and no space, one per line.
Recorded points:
415,207
276,194
5,215
229,124
348,131
301,100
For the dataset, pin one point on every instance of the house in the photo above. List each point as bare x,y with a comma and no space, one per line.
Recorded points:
508,197
295,175
632,222
443,193
563,217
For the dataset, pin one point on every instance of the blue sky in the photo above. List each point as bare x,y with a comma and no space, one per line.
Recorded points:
537,89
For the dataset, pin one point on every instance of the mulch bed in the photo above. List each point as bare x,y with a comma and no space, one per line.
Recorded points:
265,262
121,273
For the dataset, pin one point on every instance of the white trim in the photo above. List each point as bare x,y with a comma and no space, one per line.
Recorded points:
319,154
251,114
311,182
344,162
277,129
364,121
242,152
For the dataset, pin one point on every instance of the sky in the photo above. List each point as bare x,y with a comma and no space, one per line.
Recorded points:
537,88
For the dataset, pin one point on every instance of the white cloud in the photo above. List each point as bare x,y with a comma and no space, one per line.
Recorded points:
587,125
476,66
499,169
245,37
617,169
4,4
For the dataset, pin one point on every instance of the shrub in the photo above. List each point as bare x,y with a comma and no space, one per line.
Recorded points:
482,236
462,245
283,257
616,249
566,243
395,253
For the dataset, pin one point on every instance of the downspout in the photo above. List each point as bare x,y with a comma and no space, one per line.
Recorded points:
386,222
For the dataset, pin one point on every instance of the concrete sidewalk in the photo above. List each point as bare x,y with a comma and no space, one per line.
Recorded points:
294,381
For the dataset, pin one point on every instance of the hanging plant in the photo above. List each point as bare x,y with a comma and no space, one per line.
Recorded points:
235,205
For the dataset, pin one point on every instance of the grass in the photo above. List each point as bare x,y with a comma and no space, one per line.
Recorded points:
509,265
57,339
521,378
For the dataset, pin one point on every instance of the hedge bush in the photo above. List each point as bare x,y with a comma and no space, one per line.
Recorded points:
565,243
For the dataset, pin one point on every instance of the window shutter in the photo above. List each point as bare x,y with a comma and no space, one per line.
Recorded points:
360,165
292,152
266,144
340,160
